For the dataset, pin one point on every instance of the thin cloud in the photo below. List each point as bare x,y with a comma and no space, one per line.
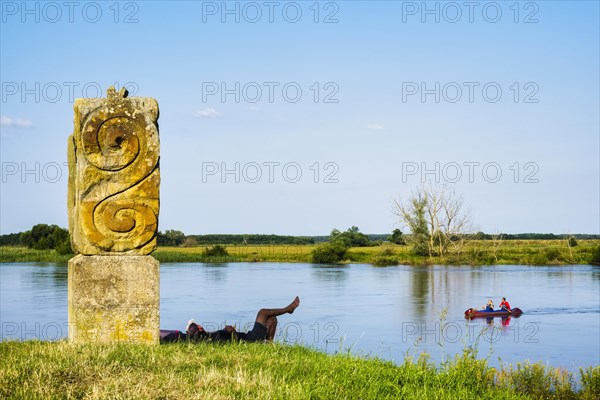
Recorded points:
375,127
17,123
209,113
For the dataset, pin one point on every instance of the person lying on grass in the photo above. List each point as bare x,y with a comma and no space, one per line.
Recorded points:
264,327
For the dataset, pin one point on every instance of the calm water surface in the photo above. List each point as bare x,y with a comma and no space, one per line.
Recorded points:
384,312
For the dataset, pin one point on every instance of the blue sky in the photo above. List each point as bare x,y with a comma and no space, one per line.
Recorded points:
369,124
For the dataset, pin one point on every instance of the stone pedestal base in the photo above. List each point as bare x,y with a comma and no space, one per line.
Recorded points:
114,299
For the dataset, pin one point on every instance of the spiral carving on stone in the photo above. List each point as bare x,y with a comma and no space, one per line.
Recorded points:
115,178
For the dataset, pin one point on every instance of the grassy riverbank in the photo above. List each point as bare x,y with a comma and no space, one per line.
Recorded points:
477,252
41,370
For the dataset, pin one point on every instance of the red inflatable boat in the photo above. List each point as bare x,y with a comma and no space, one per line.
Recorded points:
475,313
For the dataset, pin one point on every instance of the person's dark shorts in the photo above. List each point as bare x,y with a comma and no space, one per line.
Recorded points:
167,336
257,334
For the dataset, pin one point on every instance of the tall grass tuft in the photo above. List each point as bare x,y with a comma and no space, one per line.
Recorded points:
386,256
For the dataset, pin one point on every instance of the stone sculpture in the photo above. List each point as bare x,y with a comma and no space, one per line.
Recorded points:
113,205
114,175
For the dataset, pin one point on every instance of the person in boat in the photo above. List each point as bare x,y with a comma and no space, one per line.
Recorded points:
504,304
490,305
264,327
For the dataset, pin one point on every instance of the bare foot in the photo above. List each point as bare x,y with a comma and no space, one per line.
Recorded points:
293,305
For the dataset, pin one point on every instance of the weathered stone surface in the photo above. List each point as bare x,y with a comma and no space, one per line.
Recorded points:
113,299
113,198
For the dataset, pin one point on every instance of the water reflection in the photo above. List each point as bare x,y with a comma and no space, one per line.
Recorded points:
45,280
420,287
49,275
216,272
330,273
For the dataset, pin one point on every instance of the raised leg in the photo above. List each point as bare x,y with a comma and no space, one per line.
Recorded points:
265,313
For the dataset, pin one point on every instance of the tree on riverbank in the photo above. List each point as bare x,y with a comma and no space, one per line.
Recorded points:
413,216
171,237
334,251
329,253
46,237
350,238
438,220
396,237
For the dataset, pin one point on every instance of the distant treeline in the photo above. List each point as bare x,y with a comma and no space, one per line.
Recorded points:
374,237
177,238
12,239
250,239
51,236
352,238
536,236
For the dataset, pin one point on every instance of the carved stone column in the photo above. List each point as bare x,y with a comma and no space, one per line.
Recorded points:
113,204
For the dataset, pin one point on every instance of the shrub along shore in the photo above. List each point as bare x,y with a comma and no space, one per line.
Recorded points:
476,252
41,370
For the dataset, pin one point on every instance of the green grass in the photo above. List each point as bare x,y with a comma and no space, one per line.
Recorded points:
252,253
23,254
477,252
46,370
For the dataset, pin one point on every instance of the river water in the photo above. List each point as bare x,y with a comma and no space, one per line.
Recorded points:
384,312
